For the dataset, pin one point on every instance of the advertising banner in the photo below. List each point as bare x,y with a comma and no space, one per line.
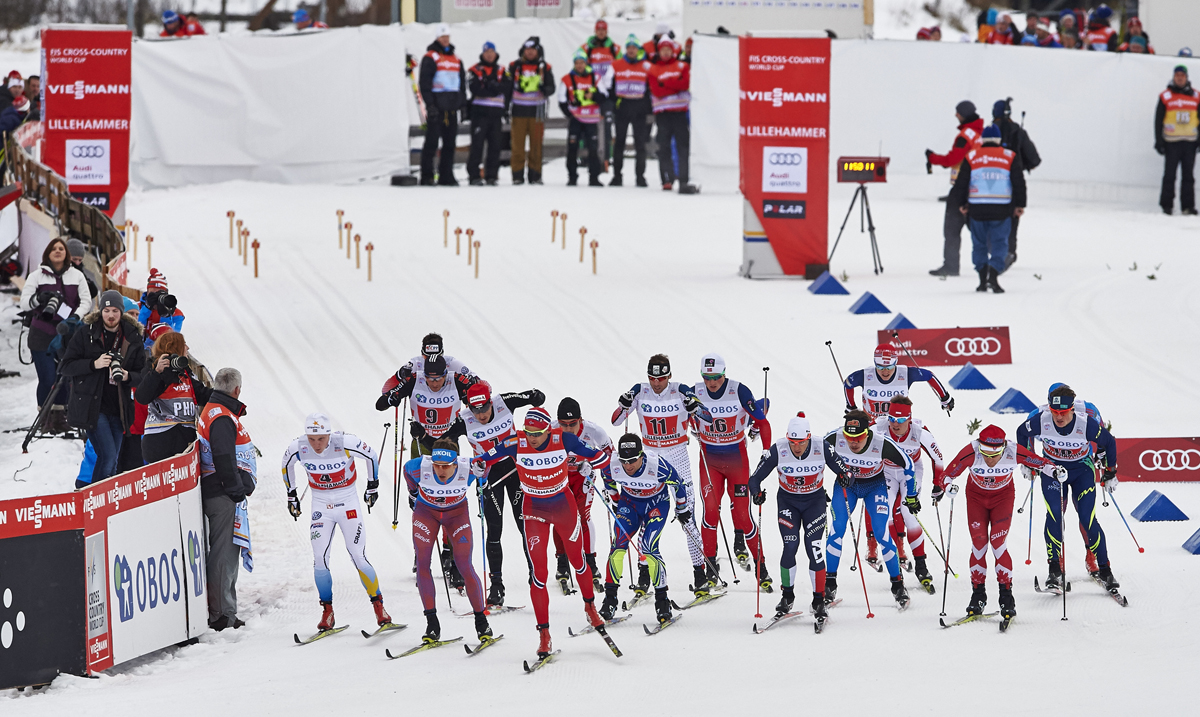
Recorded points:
1158,459
951,347
86,77
783,86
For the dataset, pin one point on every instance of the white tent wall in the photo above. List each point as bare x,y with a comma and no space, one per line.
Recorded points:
1090,114
290,108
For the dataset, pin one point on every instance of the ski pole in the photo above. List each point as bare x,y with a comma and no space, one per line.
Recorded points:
1062,546
758,562
1126,522
935,547
732,562
437,541
896,336
1029,544
483,543
953,489
857,557
382,445
396,470
1027,498
860,530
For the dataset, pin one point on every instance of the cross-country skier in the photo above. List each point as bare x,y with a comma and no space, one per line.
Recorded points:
991,462
541,454
570,420
724,464
328,458
887,380
856,454
1067,435
801,502
642,501
912,437
488,421
438,484
663,408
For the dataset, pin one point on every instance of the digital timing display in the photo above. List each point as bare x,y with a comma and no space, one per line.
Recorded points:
862,169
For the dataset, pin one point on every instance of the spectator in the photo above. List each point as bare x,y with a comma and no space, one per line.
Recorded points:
1175,137
14,111
986,22
579,98
157,306
924,35
53,292
443,87
304,21
970,133
1070,39
935,34
1134,31
989,191
532,84
192,26
1045,38
33,90
630,74
1004,33
79,260
1100,37
670,81
226,453
172,391
661,30
172,25
601,52
490,87
104,360
1185,52
1029,36
1136,45
1013,136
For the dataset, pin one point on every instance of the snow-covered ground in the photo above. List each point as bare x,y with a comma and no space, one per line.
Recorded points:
312,334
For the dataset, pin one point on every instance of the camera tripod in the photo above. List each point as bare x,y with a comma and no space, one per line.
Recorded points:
864,216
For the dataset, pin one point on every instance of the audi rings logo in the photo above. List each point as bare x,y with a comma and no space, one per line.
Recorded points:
1177,460
786,159
984,346
86,151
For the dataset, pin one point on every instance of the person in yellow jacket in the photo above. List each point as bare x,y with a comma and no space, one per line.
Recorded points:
1175,137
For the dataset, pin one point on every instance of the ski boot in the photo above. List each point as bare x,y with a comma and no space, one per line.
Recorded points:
482,628
1054,580
589,609
701,586
739,549
764,578
643,582
978,600
873,553
433,628
495,597
608,610
563,572
1106,579
1008,606
544,646
899,592
922,573
818,606
900,554
381,616
785,602
830,587
712,574
327,619
662,605
597,579
455,577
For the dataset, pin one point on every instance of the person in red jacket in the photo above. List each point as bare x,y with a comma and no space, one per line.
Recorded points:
970,135
1003,33
669,83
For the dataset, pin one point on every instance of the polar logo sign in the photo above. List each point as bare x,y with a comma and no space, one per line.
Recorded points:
1174,460
785,170
981,346
151,583
783,209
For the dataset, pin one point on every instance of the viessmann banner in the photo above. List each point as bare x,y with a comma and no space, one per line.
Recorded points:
952,347
784,145
85,110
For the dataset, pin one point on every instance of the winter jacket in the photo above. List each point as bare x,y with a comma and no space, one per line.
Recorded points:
961,191
71,284
1160,114
148,316
442,80
1014,137
532,84
969,133
154,384
490,87
227,478
88,382
669,82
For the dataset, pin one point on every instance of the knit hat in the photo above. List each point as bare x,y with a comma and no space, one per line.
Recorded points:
435,366
14,78
114,299
156,282
992,437
662,28
924,34
21,103
1181,68
317,424
579,55
668,42
442,29
169,16
300,16
537,420
629,447
76,248
712,365
568,410
489,45
1138,40
798,428
1000,109
966,108
157,330
632,40
601,24
479,395
991,134
886,355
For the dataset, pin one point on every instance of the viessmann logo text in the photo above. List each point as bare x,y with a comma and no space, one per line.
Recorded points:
80,89
778,96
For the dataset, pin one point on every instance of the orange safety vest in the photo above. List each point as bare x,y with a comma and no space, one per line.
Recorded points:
600,58
629,78
244,449
991,175
1098,39
447,77
1180,120
974,141
581,89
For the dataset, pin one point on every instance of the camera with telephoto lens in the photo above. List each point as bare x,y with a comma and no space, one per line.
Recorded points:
50,302
166,303
177,363
116,373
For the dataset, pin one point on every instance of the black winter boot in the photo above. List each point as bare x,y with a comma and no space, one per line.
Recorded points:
978,600
608,609
994,280
983,279
662,605
1008,606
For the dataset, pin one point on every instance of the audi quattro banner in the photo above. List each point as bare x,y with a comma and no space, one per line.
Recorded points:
1158,459
783,149
41,580
951,347
86,71
144,552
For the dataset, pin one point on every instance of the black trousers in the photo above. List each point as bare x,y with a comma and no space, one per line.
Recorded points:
1012,235
952,235
588,132
673,125
171,442
439,125
493,499
640,125
1183,155
485,129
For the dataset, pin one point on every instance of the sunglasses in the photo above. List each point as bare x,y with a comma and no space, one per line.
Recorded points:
712,376
481,409
659,378
635,459
569,422
991,454
860,434
879,367
899,419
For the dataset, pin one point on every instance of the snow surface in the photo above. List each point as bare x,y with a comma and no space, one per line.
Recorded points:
312,334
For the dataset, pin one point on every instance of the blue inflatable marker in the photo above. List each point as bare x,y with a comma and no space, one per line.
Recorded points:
900,322
826,284
970,379
1193,544
1157,507
1013,401
868,304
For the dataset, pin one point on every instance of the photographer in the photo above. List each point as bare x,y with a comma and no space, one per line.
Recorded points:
158,306
172,392
104,359
52,292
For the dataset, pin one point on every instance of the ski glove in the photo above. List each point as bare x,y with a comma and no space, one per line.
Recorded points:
626,399
914,504
478,468
683,516
691,403
1109,479
536,397
753,432
1060,474
948,404
613,494
760,497
937,493
845,480
372,494
293,504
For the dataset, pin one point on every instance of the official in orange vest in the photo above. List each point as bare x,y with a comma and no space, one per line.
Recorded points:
989,192
579,98
532,84
490,87
443,86
630,73
1099,36
970,129
602,51
1175,137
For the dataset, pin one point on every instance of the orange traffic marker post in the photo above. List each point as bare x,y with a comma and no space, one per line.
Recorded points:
254,245
357,256
470,237
445,228
563,216
582,234
340,214
370,248
476,258
135,241
349,226
553,226
457,241
239,233
594,244
149,244
230,215
245,246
